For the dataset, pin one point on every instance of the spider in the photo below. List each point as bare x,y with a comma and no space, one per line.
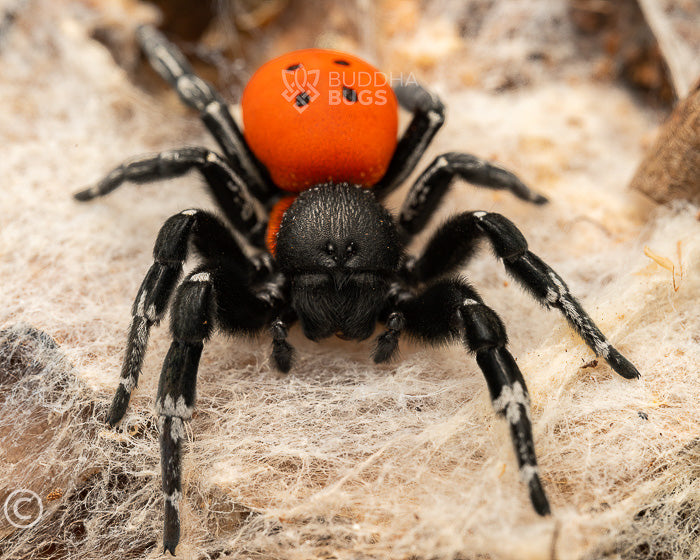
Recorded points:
303,184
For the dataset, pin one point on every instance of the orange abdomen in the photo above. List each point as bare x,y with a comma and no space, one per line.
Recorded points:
314,116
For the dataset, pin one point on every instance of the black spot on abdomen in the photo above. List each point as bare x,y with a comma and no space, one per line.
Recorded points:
302,99
350,94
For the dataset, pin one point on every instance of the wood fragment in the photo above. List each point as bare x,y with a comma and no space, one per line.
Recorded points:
663,262
671,167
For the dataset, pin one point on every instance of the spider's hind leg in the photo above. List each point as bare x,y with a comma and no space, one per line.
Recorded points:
449,310
194,92
427,192
225,182
428,116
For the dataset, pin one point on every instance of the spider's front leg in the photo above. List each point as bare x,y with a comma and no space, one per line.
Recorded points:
452,310
192,321
207,298
455,243
230,291
213,241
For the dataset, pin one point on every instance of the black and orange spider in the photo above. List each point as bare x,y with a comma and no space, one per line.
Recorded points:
318,154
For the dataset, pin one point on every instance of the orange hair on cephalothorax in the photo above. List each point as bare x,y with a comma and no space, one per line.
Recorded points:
273,225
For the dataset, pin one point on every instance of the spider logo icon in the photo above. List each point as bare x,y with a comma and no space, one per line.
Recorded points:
300,86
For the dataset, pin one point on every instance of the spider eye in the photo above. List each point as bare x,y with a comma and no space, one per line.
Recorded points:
330,248
351,249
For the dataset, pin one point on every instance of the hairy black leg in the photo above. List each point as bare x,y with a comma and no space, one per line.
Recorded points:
213,241
225,183
282,351
428,116
148,309
387,343
173,67
451,310
218,294
427,192
455,242
192,321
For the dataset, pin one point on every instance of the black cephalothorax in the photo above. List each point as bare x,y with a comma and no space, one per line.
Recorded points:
339,250
339,268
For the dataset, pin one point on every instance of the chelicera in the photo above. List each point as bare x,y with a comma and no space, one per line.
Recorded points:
304,185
